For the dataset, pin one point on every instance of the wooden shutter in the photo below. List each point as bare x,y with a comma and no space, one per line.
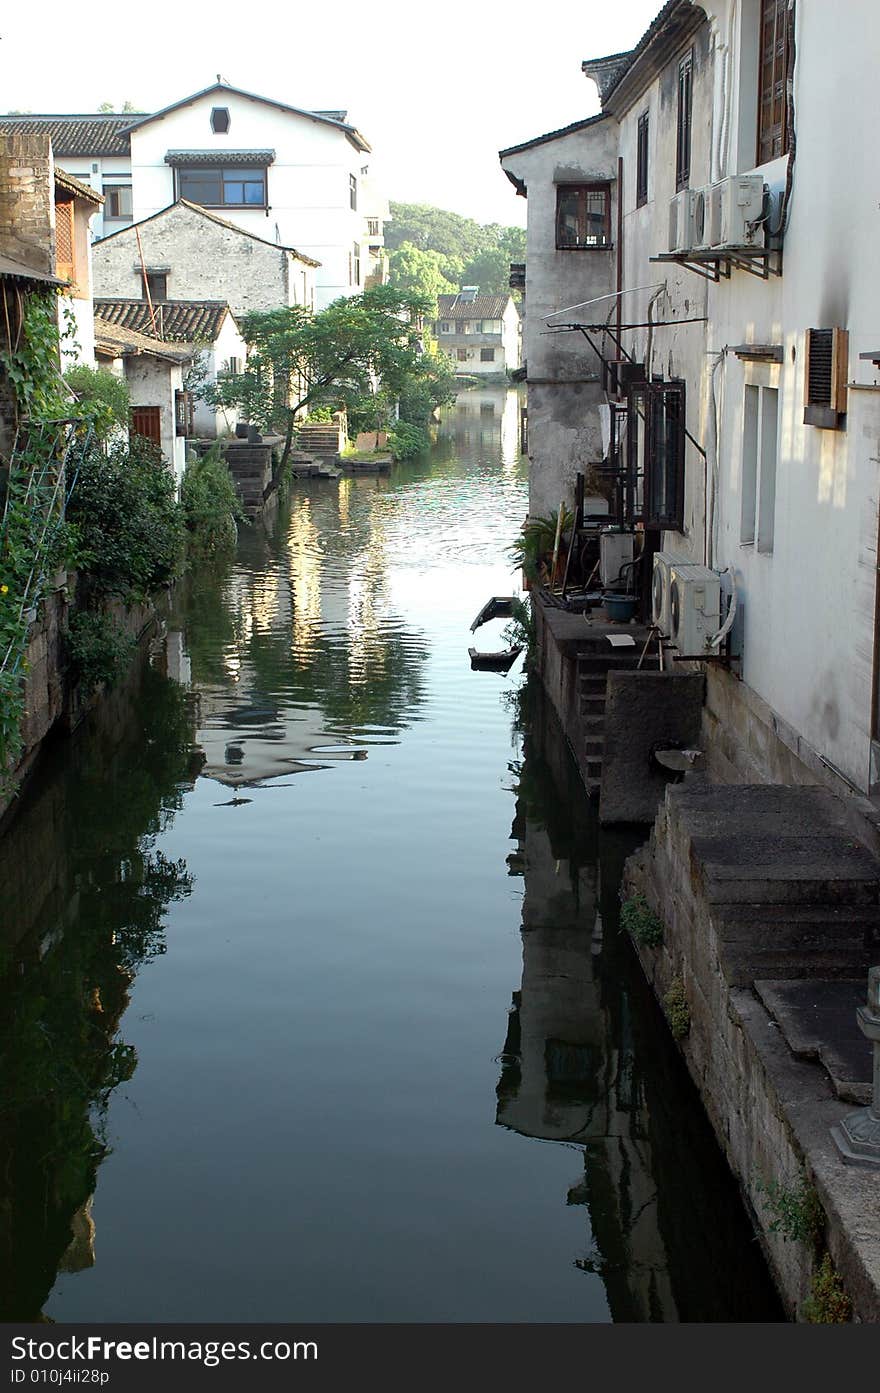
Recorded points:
775,64
826,370
685,111
184,413
64,242
147,421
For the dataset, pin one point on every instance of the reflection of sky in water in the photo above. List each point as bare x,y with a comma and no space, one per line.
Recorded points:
326,642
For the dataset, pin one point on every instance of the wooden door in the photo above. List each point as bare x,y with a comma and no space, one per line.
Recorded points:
147,421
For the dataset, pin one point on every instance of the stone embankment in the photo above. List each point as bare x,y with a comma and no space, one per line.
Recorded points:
769,900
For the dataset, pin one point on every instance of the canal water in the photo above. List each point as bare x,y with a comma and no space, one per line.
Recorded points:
315,1004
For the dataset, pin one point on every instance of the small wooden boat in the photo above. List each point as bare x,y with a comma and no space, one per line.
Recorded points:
499,607
501,661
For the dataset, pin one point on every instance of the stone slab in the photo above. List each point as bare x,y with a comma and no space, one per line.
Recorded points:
818,1021
644,711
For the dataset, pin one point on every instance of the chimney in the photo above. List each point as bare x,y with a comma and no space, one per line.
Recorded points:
27,221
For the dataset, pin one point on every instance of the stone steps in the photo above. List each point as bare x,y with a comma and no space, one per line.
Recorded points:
594,662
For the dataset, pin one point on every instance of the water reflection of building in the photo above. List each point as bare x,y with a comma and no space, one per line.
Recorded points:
585,1062
302,649
487,418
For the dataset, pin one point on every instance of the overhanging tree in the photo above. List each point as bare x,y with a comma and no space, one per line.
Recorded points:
298,360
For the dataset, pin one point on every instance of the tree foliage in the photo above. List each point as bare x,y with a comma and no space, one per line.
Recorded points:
342,355
102,398
464,252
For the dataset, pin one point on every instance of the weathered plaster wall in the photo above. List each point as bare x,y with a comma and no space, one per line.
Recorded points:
562,370
153,382
206,261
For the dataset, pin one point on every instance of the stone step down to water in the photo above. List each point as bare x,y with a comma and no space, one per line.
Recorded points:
818,1021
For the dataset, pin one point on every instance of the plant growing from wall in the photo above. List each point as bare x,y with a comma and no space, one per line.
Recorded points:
797,1211
678,1012
99,649
519,632
638,918
31,359
828,1303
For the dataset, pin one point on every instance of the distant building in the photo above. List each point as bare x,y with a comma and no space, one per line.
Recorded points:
480,333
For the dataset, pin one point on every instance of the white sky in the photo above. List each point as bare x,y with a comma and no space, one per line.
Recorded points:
437,90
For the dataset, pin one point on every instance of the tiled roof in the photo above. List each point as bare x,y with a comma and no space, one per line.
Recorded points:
96,134
212,217
186,321
66,181
256,158
552,135
16,270
481,307
351,132
123,343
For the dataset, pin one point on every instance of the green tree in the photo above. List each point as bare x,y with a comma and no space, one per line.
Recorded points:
461,243
298,359
490,270
102,398
425,273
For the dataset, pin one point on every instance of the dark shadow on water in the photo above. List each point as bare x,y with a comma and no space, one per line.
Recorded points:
588,1061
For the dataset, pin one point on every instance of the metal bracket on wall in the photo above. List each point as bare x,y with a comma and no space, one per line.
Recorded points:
714,262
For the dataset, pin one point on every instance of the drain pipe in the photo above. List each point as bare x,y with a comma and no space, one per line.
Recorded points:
650,339
711,470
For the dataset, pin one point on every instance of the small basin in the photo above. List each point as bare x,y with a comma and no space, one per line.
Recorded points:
620,608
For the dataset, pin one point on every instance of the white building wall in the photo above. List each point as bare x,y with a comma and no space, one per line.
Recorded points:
308,185
100,171
228,344
806,609
153,382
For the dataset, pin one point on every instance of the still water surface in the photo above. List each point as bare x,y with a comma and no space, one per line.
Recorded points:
317,1009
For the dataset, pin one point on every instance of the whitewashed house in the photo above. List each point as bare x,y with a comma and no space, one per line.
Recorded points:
206,327
284,174
190,253
480,334
744,303
291,177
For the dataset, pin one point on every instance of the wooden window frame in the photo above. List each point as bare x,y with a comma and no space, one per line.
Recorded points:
774,40
225,174
684,121
184,413
65,241
487,355
583,192
642,155
146,421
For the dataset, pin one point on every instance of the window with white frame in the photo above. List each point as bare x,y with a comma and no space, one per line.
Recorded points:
760,444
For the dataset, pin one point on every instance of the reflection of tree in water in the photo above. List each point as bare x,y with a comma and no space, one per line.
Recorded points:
346,656
72,952
588,1061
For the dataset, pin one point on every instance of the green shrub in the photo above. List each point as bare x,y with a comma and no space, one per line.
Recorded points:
128,526
828,1303
102,398
406,440
99,649
638,918
520,631
797,1211
678,1013
211,506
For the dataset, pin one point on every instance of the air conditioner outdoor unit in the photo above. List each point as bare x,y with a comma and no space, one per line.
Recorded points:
700,215
734,205
681,221
694,608
661,588
615,550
